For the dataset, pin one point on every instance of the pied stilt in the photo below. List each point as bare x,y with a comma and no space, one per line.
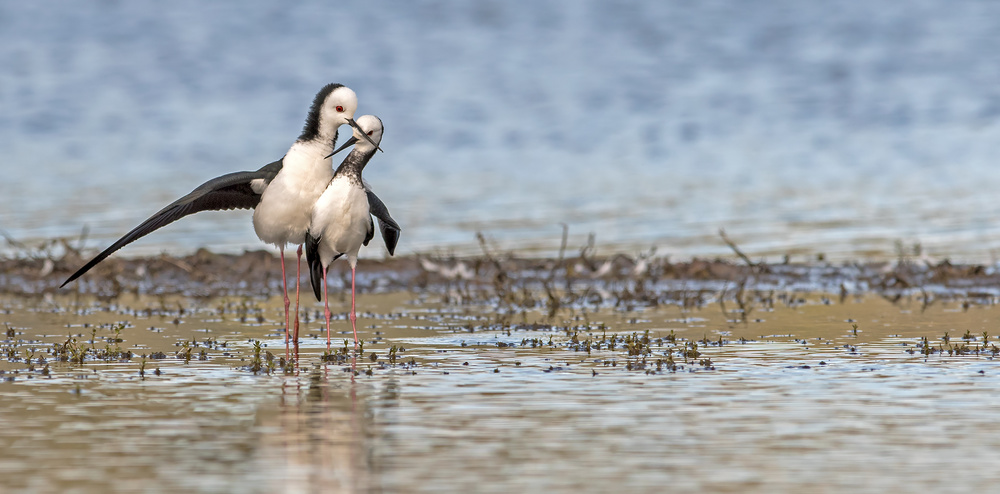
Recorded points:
281,193
342,218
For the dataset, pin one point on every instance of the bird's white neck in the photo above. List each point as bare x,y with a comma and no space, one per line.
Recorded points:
327,134
311,151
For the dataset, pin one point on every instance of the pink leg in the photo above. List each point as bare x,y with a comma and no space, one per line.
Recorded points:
354,317
326,311
298,276
284,284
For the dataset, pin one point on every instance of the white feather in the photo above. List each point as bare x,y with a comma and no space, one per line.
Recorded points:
341,220
283,215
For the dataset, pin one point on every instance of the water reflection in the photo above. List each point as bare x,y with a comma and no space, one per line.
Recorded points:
316,438
799,403
329,433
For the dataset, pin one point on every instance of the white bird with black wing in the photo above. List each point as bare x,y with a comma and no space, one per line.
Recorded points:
281,193
342,217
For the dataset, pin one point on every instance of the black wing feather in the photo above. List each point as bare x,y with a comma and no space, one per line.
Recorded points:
390,236
315,265
371,232
230,191
388,226
270,170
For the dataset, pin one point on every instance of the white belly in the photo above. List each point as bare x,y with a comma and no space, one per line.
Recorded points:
340,220
285,208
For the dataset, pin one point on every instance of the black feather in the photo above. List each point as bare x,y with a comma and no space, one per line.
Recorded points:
390,236
388,226
311,129
315,265
371,232
230,191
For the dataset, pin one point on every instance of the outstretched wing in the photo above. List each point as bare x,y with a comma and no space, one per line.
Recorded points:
230,191
390,229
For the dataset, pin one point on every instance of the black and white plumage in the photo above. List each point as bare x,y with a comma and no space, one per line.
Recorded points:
342,217
281,193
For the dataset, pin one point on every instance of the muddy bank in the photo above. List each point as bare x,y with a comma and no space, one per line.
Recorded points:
504,278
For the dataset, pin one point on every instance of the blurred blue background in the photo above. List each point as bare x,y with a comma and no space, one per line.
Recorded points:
835,127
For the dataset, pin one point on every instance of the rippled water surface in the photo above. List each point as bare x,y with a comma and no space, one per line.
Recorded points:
802,128
813,395
840,128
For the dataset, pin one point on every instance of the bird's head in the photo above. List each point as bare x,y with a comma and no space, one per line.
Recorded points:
339,106
367,135
333,106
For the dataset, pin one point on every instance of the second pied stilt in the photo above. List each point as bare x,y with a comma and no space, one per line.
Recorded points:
341,219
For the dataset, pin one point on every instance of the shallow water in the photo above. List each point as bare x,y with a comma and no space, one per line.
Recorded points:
795,400
832,127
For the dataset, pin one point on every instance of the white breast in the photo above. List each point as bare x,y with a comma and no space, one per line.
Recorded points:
285,208
341,219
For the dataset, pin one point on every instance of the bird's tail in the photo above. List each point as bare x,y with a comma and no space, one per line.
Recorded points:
390,234
315,265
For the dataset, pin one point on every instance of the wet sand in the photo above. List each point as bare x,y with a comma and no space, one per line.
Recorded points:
497,374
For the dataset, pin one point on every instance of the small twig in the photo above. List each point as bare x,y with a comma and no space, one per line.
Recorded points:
177,263
732,245
486,250
562,246
722,302
13,242
562,251
744,311
589,249
83,237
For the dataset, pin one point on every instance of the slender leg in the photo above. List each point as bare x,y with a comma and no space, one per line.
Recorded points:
298,276
354,317
284,284
326,311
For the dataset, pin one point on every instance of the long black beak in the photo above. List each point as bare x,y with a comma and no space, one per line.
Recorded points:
358,127
348,143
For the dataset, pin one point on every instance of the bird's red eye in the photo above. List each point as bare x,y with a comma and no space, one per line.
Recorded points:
370,132
340,109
